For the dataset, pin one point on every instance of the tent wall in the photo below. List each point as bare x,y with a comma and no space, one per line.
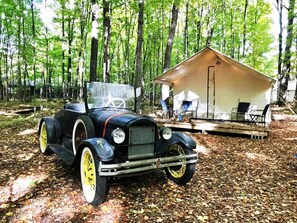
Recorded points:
229,86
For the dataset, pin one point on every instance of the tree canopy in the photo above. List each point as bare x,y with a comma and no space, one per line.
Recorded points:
58,49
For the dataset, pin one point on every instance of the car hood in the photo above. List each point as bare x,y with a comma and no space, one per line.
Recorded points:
122,119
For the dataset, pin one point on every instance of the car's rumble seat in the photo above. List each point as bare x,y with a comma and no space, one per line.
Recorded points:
77,107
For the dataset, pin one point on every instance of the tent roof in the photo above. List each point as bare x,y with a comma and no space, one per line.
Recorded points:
204,56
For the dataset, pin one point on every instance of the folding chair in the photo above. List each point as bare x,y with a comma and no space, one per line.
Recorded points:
240,110
259,116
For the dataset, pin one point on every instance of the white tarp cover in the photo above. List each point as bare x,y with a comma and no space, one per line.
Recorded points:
215,83
202,57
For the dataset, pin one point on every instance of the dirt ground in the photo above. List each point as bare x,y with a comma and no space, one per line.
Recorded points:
236,180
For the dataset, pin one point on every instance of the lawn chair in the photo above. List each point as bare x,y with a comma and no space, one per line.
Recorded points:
259,116
187,109
240,110
186,105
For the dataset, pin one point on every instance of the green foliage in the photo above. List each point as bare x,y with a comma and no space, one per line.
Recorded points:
218,23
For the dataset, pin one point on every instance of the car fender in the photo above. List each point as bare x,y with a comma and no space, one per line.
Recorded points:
103,149
52,128
176,138
88,128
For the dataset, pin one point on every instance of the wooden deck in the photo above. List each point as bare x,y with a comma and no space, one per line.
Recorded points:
211,126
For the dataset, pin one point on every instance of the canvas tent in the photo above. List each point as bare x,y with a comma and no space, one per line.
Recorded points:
216,83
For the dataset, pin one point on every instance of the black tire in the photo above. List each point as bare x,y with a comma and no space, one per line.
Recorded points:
43,140
83,129
94,186
180,174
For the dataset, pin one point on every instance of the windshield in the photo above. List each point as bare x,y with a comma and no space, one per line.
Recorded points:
107,95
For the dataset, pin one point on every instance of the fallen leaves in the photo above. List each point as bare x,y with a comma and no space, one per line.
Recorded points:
236,180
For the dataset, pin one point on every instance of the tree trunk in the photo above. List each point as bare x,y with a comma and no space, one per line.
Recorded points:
209,36
24,55
161,30
1,56
281,93
34,54
209,26
63,50
138,55
84,18
11,84
127,47
288,49
69,89
232,54
94,43
50,72
186,37
6,69
47,74
1,83
19,78
106,36
244,27
199,27
295,96
174,17
223,28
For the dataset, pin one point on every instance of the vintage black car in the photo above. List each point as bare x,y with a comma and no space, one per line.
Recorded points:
107,139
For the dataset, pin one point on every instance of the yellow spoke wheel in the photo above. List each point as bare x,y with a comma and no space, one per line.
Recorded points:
43,137
94,186
43,140
88,174
178,171
183,173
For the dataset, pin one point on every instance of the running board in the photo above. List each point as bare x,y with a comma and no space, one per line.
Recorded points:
66,155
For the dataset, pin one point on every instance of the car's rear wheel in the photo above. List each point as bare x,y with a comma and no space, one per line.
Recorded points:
83,129
43,140
180,174
94,186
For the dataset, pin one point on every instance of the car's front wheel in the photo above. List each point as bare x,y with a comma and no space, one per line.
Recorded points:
43,140
183,173
94,186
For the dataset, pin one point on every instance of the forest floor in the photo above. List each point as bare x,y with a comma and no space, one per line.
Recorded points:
236,180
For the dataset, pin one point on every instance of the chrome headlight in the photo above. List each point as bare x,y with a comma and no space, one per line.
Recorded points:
166,133
118,136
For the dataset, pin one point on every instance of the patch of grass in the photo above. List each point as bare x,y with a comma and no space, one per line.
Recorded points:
10,121
14,105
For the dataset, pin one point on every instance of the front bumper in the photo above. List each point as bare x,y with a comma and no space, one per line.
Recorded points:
134,167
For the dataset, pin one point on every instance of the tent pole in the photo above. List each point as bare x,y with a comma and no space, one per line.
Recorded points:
207,93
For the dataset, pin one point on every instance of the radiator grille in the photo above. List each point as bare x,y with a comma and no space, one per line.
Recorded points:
141,142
